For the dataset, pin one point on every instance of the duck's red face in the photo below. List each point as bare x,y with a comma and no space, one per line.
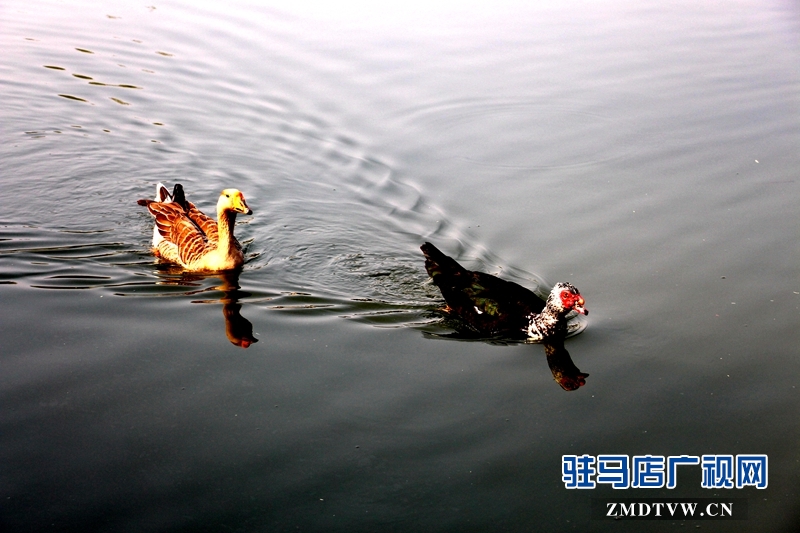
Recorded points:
573,300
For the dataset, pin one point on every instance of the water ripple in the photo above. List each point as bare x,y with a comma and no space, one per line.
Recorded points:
524,135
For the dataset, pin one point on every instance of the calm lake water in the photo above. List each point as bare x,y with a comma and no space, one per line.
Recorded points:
647,152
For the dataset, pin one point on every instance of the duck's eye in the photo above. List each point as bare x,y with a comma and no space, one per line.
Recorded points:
227,196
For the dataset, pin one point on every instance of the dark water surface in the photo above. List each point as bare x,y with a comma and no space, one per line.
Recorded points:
647,153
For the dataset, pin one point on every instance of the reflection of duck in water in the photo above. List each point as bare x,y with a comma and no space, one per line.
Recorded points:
565,373
186,236
493,306
564,370
238,329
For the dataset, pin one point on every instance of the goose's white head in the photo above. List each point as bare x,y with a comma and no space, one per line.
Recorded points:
233,200
565,297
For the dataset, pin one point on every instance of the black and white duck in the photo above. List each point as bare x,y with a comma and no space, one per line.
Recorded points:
495,307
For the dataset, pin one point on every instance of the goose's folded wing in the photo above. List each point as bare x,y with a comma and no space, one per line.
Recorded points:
175,226
206,224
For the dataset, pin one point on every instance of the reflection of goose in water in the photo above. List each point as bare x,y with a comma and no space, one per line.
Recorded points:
238,329
492,306
187,237
564,370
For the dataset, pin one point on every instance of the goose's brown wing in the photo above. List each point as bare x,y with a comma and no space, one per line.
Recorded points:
206,224
174,225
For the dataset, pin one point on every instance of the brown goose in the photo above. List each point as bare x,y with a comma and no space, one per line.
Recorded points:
186,236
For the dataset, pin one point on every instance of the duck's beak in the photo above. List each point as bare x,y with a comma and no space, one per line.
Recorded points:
580,308
242,208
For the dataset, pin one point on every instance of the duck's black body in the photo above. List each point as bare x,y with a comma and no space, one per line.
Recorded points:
486,303
492,306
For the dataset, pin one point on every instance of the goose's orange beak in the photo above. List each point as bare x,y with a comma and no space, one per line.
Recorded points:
240,206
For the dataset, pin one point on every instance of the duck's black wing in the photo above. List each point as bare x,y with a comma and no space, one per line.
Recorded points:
487,303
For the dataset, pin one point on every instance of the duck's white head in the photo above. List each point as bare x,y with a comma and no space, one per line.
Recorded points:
233,200
565,297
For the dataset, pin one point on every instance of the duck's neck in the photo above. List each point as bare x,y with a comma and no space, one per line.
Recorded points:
226,220
550,322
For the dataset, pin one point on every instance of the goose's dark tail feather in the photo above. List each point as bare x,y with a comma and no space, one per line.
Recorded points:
163,195
179,197
437,263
